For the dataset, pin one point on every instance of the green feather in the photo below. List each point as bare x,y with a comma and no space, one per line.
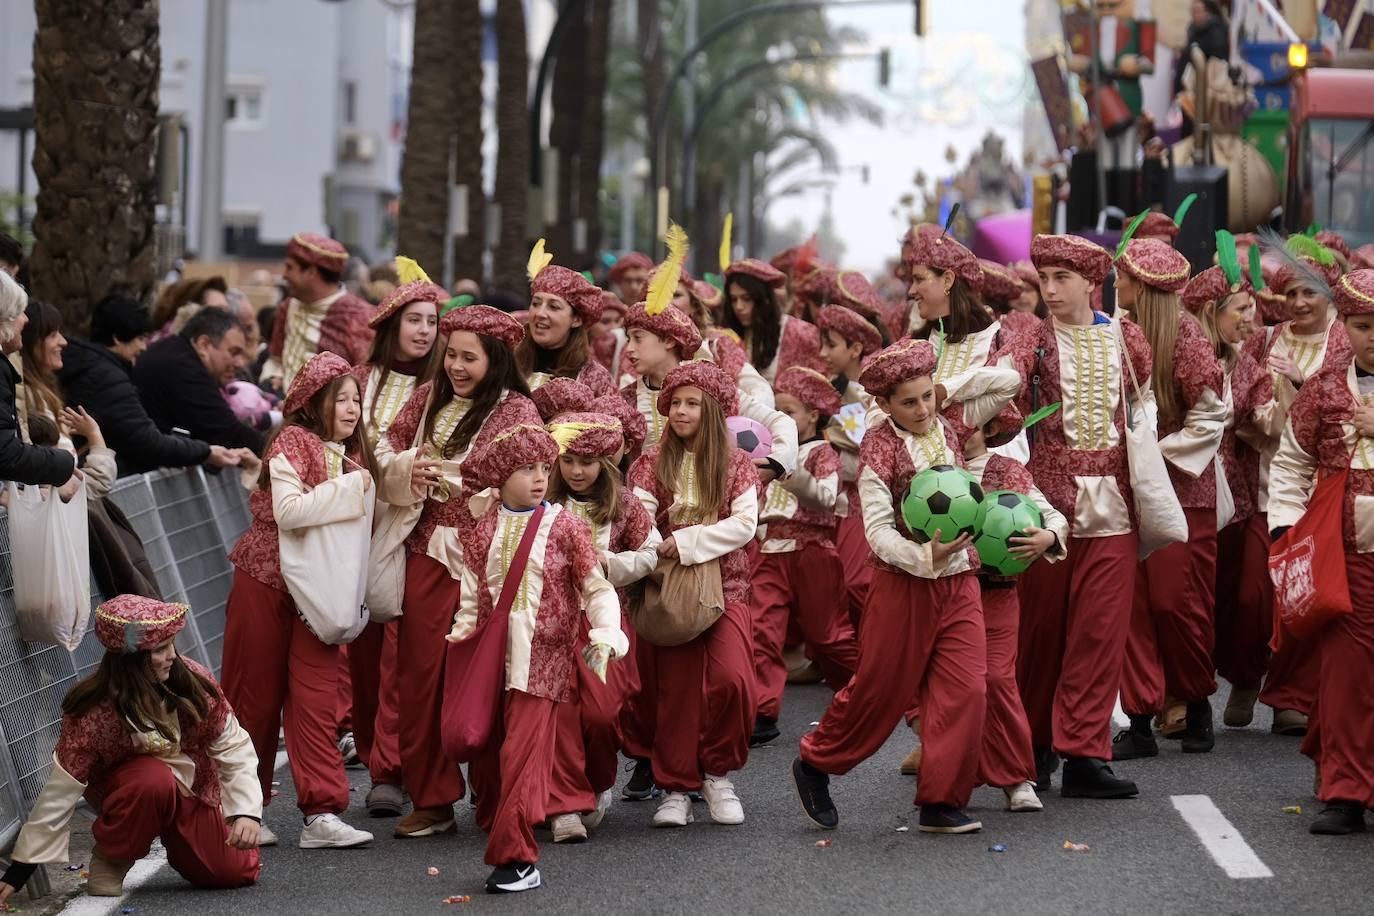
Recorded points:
715,280
1256,271
588,275
1130,231
1040,414
941,350
1227,257
1305,246
1312,230
456,302
1183,208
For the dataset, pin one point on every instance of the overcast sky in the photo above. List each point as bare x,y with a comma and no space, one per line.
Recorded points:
968,75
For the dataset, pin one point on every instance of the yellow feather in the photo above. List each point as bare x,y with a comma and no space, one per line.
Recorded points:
669,272
725,243
565,433
408,270
539,259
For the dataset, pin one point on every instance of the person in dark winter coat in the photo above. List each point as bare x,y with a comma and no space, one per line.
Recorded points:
96,375
179,380
1208,30
19,461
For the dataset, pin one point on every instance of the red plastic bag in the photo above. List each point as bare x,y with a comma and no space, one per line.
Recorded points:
1307,566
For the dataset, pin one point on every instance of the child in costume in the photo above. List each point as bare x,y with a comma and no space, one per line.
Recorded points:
315,471
586,482
797,570
923,624
150,741
560,583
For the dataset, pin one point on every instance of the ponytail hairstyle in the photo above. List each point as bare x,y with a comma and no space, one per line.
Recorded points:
502,375
1226,352
711,452
1158,313
317,417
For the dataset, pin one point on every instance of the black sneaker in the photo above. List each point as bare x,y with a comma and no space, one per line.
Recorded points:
765,730
1131,744
1046,762
1197,736
641,784
1088,777
513,878
813,788
1339,818
947,819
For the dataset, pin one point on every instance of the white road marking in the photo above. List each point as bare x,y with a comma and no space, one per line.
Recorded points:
1220,837
142,872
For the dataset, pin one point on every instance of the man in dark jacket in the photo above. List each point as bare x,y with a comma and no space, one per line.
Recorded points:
180,377
95,375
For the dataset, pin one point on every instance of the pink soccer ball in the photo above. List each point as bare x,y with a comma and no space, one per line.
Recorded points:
751,436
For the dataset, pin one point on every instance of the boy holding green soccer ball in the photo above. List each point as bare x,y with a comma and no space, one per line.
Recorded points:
923,621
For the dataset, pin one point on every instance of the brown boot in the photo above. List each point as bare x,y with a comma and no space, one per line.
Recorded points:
106,875
1240,707
1289,722
911,764
426,822
800,669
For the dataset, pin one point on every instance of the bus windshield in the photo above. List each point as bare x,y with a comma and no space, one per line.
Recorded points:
1336,177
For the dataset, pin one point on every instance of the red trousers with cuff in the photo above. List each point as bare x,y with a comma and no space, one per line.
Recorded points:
1172,638
588,729
343,700
799,587
852,546
376,702
1006,758
429,603
1244,601
277,673
1074,619
140,801
923,638
705,702
638,713
511,778
1345,707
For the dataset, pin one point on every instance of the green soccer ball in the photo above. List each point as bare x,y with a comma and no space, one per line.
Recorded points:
946,498
1006,514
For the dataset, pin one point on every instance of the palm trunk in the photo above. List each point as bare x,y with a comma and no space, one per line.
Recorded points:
96,71
590,151
570,97
512,162
467,126
429,128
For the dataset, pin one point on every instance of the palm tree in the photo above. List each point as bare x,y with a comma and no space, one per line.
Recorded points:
466,124
429,132
593,140
96,69
512,161
568,98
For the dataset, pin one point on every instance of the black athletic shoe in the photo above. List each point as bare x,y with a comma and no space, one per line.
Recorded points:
641,784
513,878
1132,743
813,788
1339,818
765,730
1197,737
1046,762
1088,777
947,819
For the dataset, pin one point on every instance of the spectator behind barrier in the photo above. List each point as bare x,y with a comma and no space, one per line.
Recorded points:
179,380
96,375
19,461
182,299
11,254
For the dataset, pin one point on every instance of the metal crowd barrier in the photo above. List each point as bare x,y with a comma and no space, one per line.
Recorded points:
188,521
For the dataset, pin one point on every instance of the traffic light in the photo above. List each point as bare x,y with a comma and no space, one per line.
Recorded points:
884,67
920,17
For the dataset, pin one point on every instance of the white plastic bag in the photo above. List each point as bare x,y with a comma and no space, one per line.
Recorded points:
325,568
49,553
386,575
1158,512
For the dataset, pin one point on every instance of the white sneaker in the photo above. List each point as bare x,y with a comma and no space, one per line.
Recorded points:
328,832
674,811
568,828
603,804
720,796
266,837
1022,798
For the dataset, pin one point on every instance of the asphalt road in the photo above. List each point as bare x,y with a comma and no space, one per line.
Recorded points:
1142,857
